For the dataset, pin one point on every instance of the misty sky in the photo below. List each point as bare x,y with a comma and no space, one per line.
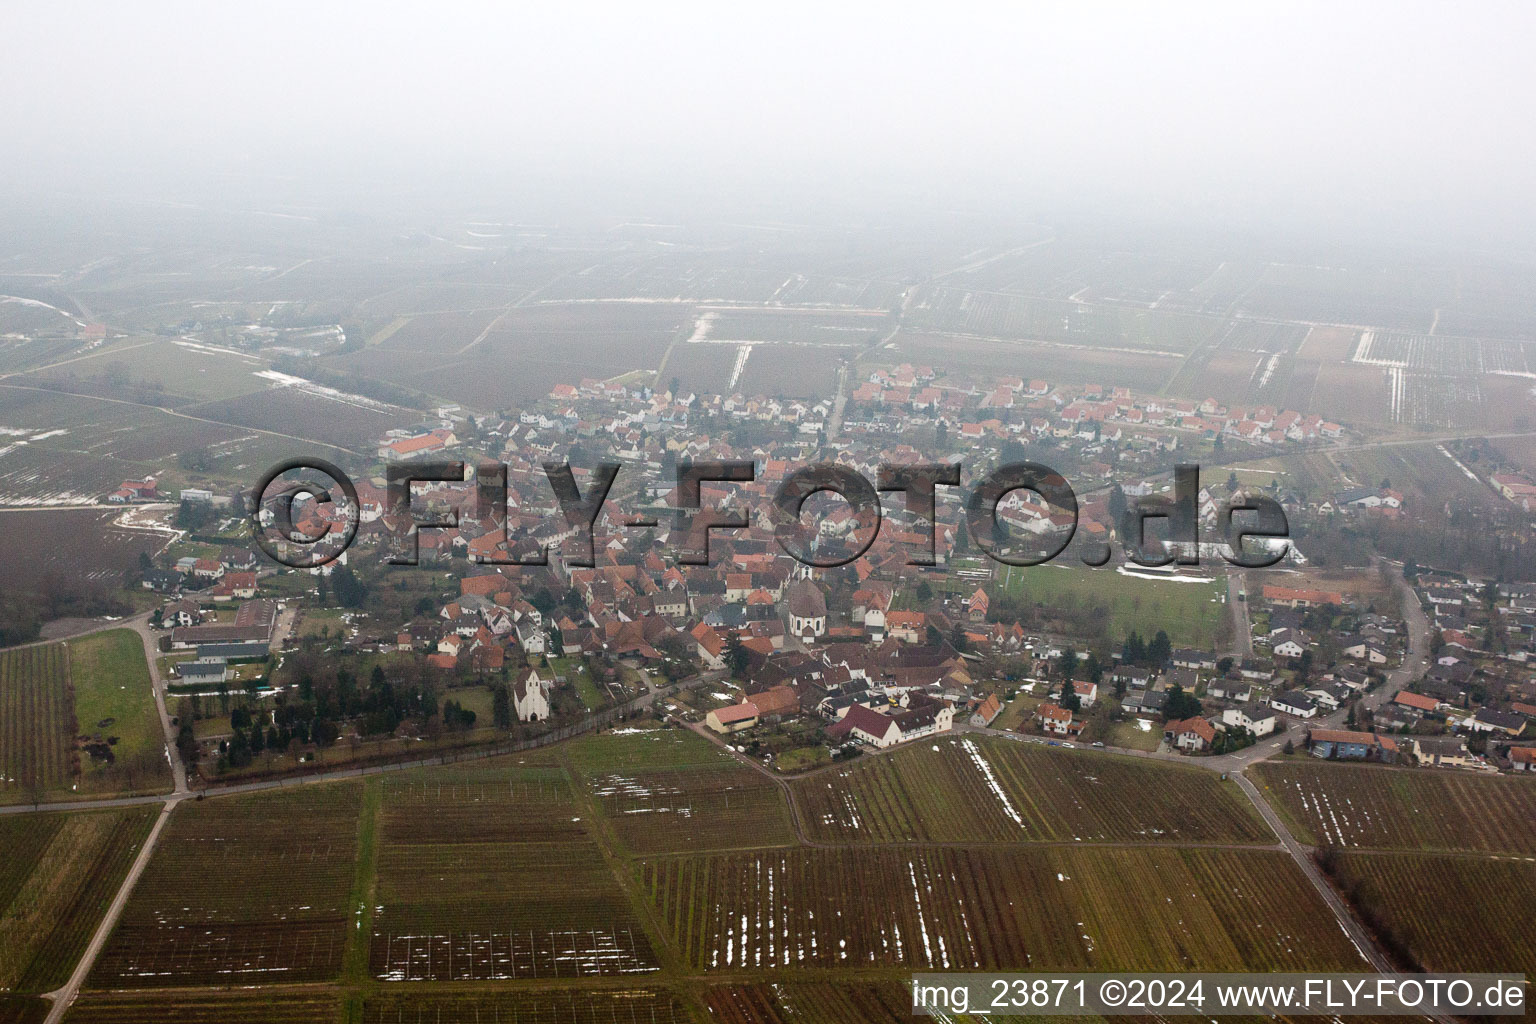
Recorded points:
1273,110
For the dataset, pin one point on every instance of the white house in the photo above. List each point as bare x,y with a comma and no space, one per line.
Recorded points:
1256,718
1293,702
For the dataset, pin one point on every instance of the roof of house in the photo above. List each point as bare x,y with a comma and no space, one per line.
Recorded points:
1199,726
1416,700
735,713
1348,736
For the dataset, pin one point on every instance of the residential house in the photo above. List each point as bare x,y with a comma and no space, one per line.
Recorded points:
1190,734
1257,718
1294,702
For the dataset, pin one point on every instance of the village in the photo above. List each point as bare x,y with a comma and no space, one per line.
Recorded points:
804,664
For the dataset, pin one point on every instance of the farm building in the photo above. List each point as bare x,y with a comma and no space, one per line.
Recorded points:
1494,720
1523,759
1347,745
203,671
734,718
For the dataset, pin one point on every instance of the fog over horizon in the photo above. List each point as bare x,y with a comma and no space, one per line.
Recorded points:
1408,122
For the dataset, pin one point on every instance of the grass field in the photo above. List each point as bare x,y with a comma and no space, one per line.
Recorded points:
1410,809
58,873
995,790
1448,913
113,697
241,890
1069,908
1190,612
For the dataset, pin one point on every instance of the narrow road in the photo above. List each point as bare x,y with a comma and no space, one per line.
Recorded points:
1241,643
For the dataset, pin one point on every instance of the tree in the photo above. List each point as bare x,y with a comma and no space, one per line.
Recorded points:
1092,670
501,707
350,591
957,638
924,592
1117,506
1160,650
737,657
1289,748
1180,705
1066,665
1069,698
1134,650
556,642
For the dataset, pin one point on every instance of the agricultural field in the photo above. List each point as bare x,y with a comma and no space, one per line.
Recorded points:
238,1008
704,369
74,544
349,421
1426,476
529,1006
160,371
23,1009
675,810
37,723
1403,299
789,371
1446,913
526,352
1189,609
866,1002
959,355
1066,908
994,315
115,714
1329,344
992,790
464,890
242,890
58,873
1409,809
